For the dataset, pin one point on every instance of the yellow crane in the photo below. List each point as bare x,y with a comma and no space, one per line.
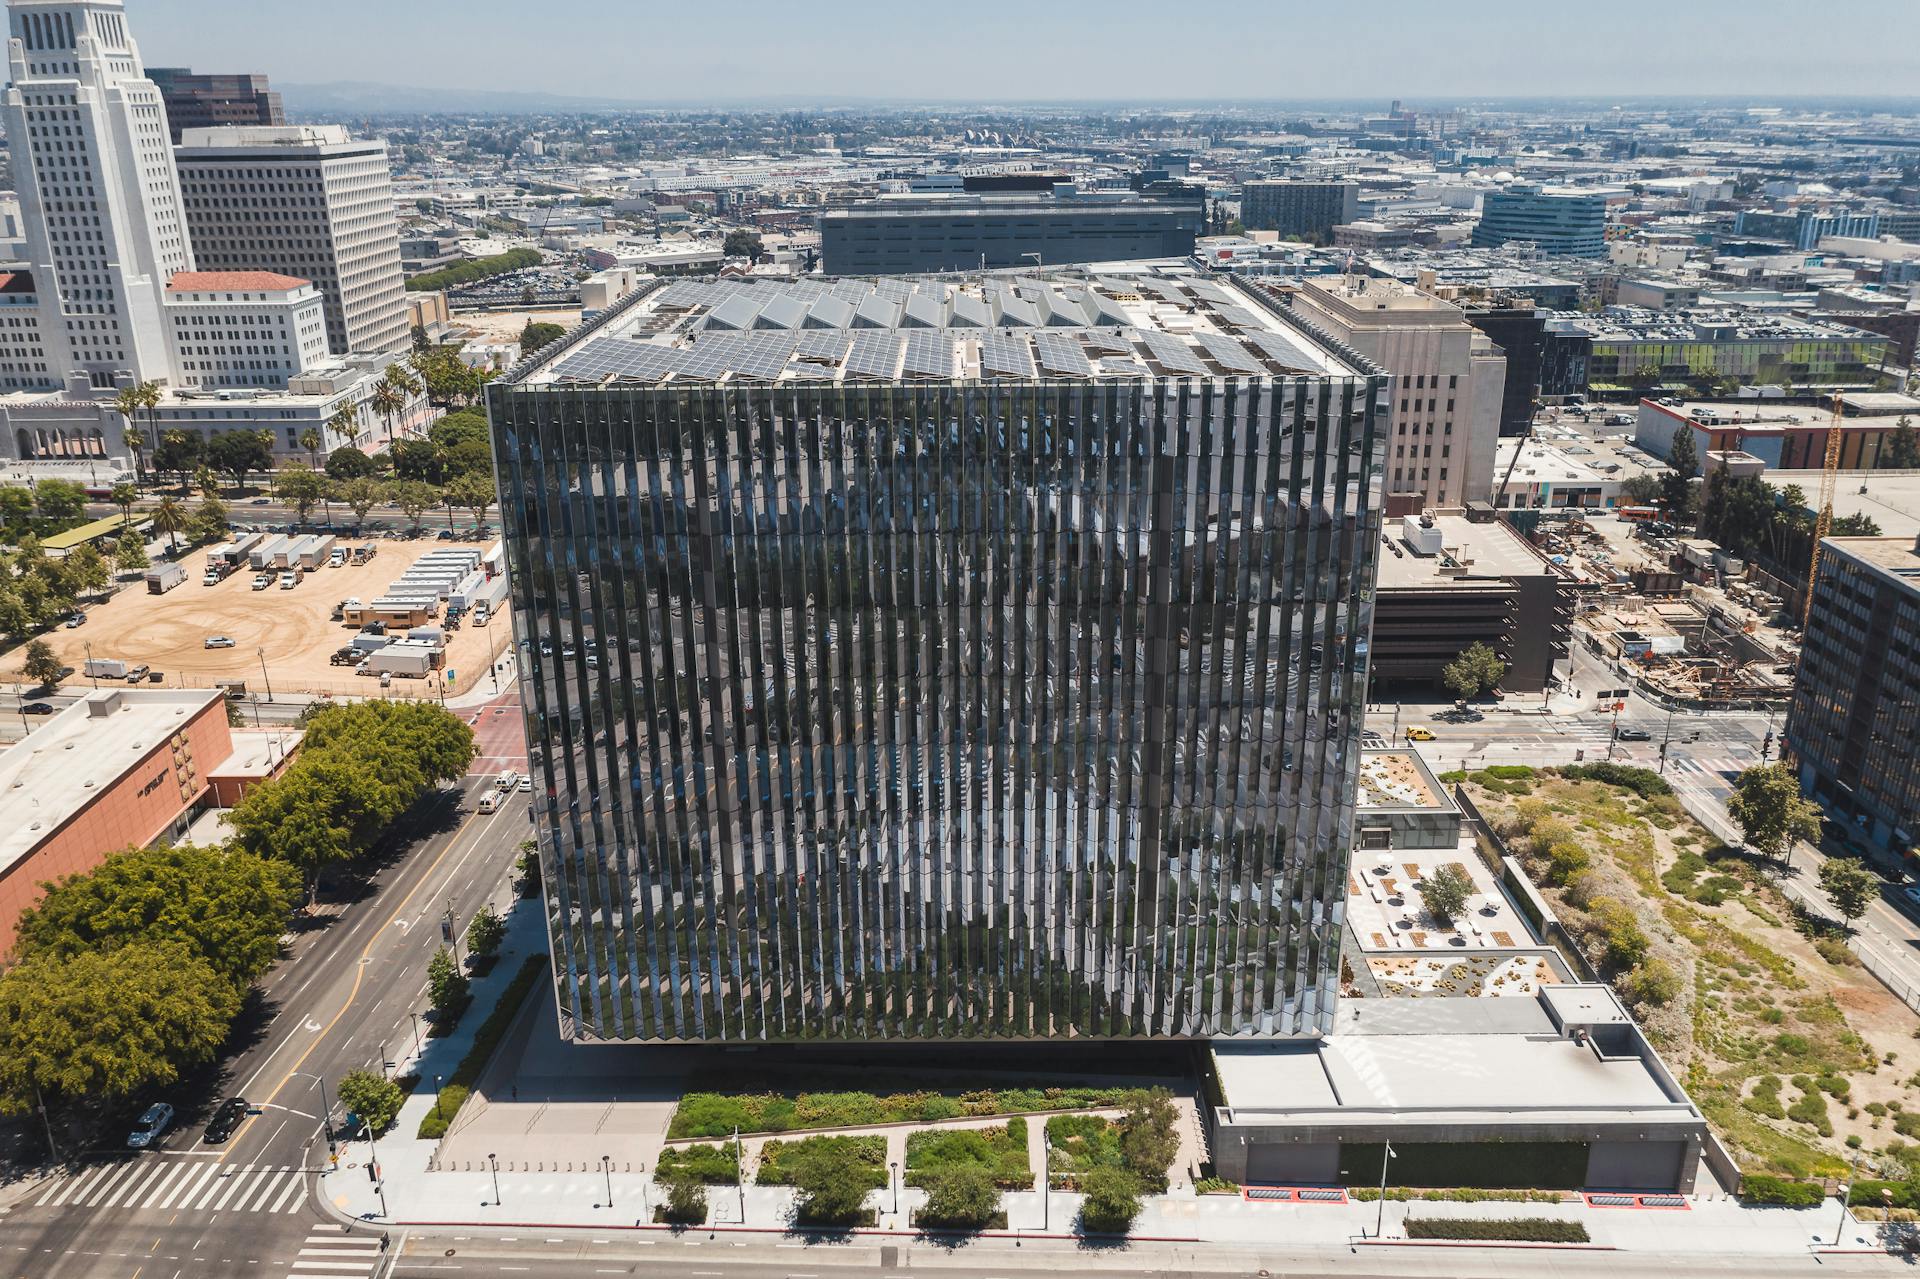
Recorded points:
1823,522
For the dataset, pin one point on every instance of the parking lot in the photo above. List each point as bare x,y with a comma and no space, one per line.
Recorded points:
292,627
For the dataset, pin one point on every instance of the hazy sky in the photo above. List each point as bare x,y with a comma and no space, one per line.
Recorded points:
976,50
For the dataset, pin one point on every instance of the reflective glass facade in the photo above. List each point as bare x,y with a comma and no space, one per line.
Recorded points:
950,710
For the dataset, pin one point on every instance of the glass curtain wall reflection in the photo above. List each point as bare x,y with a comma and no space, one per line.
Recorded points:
943,711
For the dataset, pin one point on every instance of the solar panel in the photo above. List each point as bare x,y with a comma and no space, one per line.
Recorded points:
622,357
760,355
1111,341
1229,354
1173,355
1283,352
1238,317
1002,355
1060,354
826,345
929,353
874,355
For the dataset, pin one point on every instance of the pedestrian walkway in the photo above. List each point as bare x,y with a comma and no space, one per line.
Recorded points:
184,1184
331,1250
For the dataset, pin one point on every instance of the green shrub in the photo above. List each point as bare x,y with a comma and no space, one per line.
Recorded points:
1565,859
1216,1186
686,1201
717,1114
1454,776
1520,1229
1112,1201
1834,1086
1620,933
434,1124
1082,1143
1510,772
485,1041
1766,1098
708,1164
1907,1123
994,1151
1835,951
961,1198
1760,1189
863,1159
1643,782
1811,1110
1652,983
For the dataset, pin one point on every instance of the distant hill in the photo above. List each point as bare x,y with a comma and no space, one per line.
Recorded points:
354,97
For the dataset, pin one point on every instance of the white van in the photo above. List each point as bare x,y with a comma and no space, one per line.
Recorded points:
507,780
491,801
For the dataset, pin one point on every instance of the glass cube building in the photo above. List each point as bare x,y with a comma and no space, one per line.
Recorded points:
974,659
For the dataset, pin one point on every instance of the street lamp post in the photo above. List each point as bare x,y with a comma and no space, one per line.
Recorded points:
646,1208
739,1174
92,671
419,1046
893,1184
1046,1182
606,1167
1846,1201
261,653
1380,1218
326,1107
494,1167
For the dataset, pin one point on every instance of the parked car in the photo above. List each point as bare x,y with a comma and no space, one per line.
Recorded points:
227,1118
1912,893
37,708
77,620
153,1121
137,673
1419,734
526,783
261,581
219,641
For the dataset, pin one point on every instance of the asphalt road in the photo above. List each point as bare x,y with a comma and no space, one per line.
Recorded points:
338,1002
382,520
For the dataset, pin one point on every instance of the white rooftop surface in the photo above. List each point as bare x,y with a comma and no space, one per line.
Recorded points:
1116,321
1416,1061
1494,549
76,756
256,752
1891,500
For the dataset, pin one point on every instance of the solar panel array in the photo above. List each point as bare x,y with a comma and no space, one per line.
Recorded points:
1288,355
1228,354
829,345
875,354
1173,355
620,357
1005,355
1061,354
929,353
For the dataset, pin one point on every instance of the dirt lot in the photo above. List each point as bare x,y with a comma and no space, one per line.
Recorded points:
1791,1049
506,325
168,632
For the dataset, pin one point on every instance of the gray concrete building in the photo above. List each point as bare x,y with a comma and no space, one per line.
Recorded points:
1296,207
911,234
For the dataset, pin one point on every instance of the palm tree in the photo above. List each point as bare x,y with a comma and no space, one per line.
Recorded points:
310,441
345,424
124,495
386,401
148,394
128,403
403,382
170,517
207,480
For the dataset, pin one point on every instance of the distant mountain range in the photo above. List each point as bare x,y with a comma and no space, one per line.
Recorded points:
355,97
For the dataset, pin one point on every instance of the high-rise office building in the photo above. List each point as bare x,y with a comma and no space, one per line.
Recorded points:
1448,382
1295,207
897,671
905,234
211,101
1568,223
1854,726
303,201
99,197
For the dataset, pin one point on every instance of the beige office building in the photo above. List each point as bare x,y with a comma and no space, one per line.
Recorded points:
1448,378
307,202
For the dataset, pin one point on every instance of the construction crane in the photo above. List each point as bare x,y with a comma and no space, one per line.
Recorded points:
1533,407
1823,522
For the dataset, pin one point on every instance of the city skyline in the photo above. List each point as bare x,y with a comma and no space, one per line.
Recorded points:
992,53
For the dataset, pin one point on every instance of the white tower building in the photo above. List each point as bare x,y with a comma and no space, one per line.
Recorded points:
99,196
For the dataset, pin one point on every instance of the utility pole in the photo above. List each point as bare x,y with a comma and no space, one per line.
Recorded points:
261,653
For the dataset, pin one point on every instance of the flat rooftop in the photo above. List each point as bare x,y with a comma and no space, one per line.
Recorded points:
1399,779
1419,1061
1484,551
1891,499
78,754
1761,413
1071,325
1895,555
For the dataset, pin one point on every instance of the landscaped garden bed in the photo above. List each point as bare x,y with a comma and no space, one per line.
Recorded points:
1000,1152
718,1114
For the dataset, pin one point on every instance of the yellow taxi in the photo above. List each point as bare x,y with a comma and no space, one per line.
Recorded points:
1418,734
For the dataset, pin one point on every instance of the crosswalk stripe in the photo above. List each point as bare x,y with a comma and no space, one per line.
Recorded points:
290,1200
162,1183
338,1267
65,1185
97,1192
373,1251
268,1186
124,1192
221,1180
186,1190
233,1183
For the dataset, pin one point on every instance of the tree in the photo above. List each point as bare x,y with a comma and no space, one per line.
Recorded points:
109,1025
537,334
1112,1201
686,1198
225,906
831,1184
170,517
446,984
130,554
87,569
361,495
302,487
468,457
459,428
1767,807
1478,669
240,453
179,452
1150,1137
1644,377
387,401
742,243
210,518
486,931
1445,893
1642,490
15,619
373,1099
310,440
60,499
414,498
16,506
1676,486
349,463
301,817
128,403
42,667
961,1198
1850,886
417,460
473,493
124,495
344,423
1902,451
